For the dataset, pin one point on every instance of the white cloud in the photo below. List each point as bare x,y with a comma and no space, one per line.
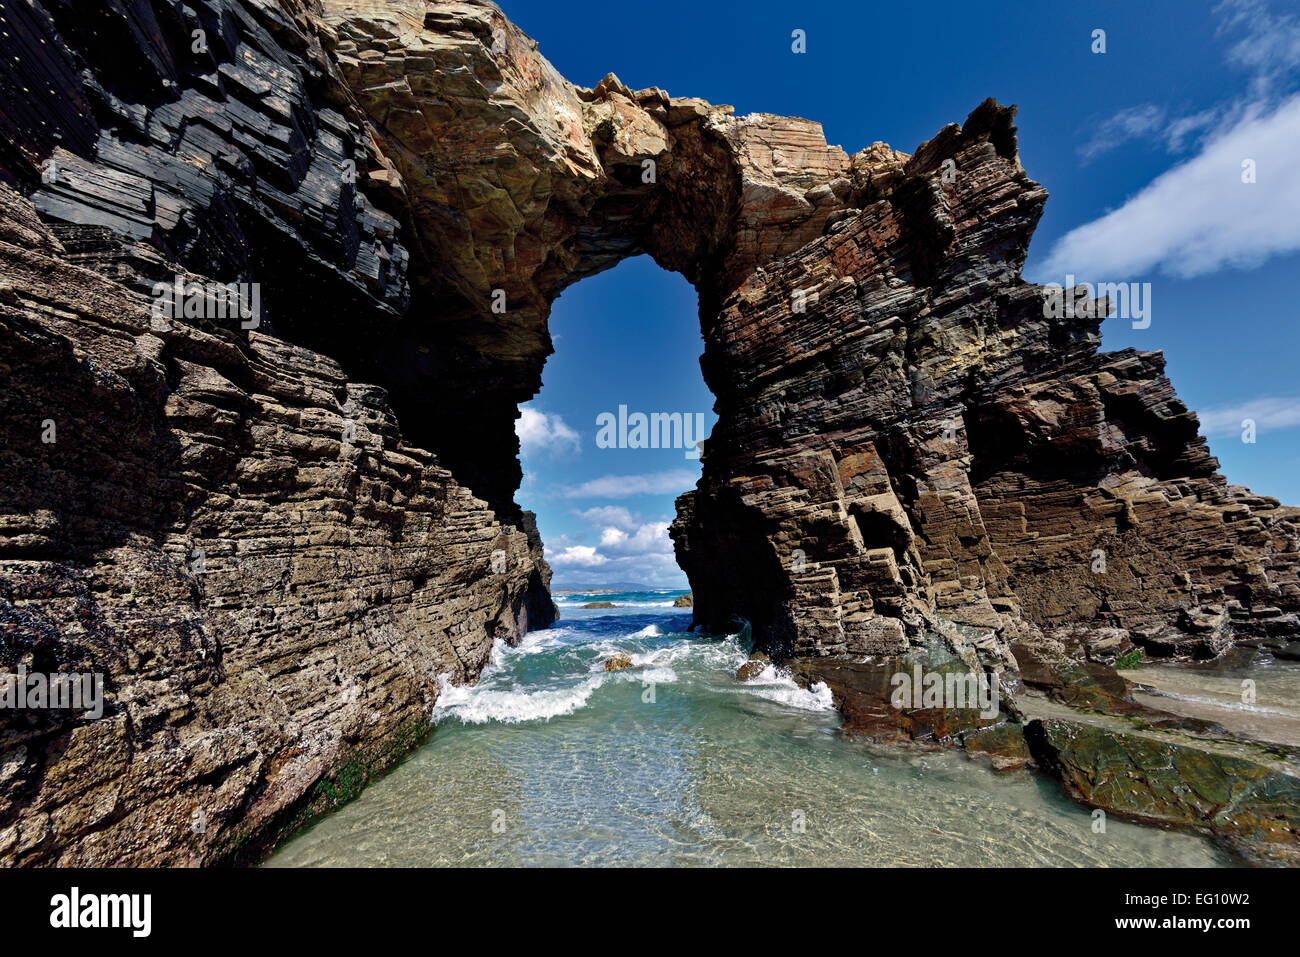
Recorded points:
1147,122
655,570
544,434
1200,216
619,486
612,536
650,538
1268,45
1181,128
614,515
1133,123
1256,40
1268,413
630,549
582,556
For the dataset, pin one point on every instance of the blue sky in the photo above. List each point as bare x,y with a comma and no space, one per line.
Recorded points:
1139,147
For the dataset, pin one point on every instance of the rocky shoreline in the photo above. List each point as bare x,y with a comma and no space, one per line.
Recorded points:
1080,724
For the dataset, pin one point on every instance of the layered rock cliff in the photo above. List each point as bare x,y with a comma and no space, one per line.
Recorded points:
274,536
219,520
925,443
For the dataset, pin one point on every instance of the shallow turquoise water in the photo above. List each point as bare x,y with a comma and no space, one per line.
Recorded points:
550,760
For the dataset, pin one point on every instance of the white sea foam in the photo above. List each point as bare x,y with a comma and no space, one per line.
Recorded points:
776,684
480,704
546,639
816,698
659,676
652,661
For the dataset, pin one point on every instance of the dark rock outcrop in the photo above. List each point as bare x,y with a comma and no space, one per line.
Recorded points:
923,444
206,510
271,593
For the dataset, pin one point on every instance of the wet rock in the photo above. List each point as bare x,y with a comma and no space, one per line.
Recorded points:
1246,795
1109,646
684,601
600,604
754,667
618,663
870,695
1087,685
1002,743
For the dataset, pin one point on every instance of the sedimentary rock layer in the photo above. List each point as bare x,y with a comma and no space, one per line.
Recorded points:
271,581
217,520
925,442
906,437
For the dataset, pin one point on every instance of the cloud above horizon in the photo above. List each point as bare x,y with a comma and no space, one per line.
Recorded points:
542,434
1200,216
584,556
630,548
619,486
1268,413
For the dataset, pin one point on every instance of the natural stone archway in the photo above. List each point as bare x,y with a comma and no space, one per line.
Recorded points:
520,182
847,429
916,451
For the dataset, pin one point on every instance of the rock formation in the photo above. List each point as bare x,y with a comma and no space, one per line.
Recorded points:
921,442
275,536
222,522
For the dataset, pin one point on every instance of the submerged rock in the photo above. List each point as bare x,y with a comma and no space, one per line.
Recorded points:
754,667
870,695
618,663
1003,744
600,604
1245,794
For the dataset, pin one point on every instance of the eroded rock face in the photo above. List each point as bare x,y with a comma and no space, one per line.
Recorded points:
521,183
271,595
909,449
219,521
923,446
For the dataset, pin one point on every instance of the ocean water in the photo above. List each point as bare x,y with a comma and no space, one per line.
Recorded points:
551,760
1249,693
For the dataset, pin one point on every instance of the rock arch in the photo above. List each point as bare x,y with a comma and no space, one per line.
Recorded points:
844,417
